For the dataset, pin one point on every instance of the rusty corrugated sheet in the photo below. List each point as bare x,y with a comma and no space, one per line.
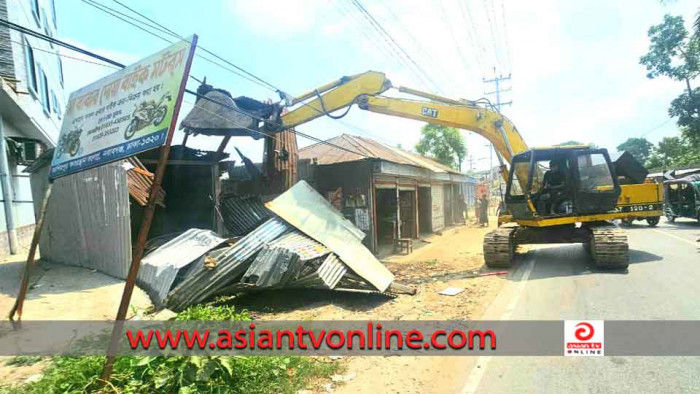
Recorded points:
140,180
281,160
330,154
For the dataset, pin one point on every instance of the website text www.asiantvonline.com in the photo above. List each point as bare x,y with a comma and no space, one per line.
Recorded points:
374,337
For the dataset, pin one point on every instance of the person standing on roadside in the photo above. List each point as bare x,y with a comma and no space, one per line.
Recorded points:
484,210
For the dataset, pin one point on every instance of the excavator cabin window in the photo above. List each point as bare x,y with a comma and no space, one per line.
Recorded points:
561,182
550,184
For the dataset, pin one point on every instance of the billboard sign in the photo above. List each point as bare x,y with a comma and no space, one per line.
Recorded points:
125,113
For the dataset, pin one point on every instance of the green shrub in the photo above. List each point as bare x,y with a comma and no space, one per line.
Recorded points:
179,374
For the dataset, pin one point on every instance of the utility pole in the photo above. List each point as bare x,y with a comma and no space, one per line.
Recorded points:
497,79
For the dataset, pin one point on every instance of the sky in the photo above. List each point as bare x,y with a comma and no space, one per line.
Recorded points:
574,66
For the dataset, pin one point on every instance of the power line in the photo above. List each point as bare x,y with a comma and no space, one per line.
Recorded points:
426,55
378,26
64,56
248,75
505,33
452,34
52,40
113,12
656,127
174,34
493,36
378,44
471,35
146,18
121,66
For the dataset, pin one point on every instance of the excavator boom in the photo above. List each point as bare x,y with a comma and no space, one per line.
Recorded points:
365,90
589,193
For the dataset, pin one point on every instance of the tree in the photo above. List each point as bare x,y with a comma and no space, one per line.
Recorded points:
674,53
445,144
639,148
674,151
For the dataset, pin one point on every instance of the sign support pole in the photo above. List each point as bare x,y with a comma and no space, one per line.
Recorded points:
19,302
148,213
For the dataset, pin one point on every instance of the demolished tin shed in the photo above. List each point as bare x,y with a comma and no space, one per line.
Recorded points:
387,192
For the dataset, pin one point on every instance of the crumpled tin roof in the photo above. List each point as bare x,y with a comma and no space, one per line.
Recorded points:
160,268
328,154
201,283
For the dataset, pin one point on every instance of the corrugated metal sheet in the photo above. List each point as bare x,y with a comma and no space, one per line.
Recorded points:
328,154
302,207
201,283
242,214
160,268
272,267
282,260
140,180
281,160
328,274
88,222
298,243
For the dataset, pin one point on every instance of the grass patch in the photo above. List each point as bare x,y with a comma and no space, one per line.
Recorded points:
431,262
212,312
179,374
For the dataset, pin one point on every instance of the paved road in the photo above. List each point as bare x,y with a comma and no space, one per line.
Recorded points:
663,282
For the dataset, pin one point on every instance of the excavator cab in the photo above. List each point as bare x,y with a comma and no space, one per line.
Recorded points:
561,182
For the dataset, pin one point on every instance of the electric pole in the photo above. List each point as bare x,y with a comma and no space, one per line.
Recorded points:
497,79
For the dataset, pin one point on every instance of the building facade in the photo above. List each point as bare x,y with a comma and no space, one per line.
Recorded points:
386,192
32,99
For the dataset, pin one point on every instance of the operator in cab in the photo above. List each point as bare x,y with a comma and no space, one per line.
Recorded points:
554,185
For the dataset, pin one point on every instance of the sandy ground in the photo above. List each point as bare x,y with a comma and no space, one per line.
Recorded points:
60,292
443,261
438,262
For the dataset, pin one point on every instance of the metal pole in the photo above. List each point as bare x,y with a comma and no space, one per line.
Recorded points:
146,221
7,194
19,302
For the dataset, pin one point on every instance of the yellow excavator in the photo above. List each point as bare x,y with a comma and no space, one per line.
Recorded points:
557,194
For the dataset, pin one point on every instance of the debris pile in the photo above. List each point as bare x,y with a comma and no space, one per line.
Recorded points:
304,243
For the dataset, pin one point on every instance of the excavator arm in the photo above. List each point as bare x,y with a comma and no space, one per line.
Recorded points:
365,90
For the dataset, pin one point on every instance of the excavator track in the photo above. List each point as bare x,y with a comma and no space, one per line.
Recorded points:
499,247
609,248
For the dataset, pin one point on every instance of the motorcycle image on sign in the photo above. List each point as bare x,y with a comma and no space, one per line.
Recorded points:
69,143
148,112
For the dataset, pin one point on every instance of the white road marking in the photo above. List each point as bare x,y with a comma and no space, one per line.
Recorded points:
477,373
677,237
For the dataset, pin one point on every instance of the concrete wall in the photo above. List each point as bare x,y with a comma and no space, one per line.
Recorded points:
21,98
20,12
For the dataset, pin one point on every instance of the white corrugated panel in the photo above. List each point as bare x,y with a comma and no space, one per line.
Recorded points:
88,220
438,208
